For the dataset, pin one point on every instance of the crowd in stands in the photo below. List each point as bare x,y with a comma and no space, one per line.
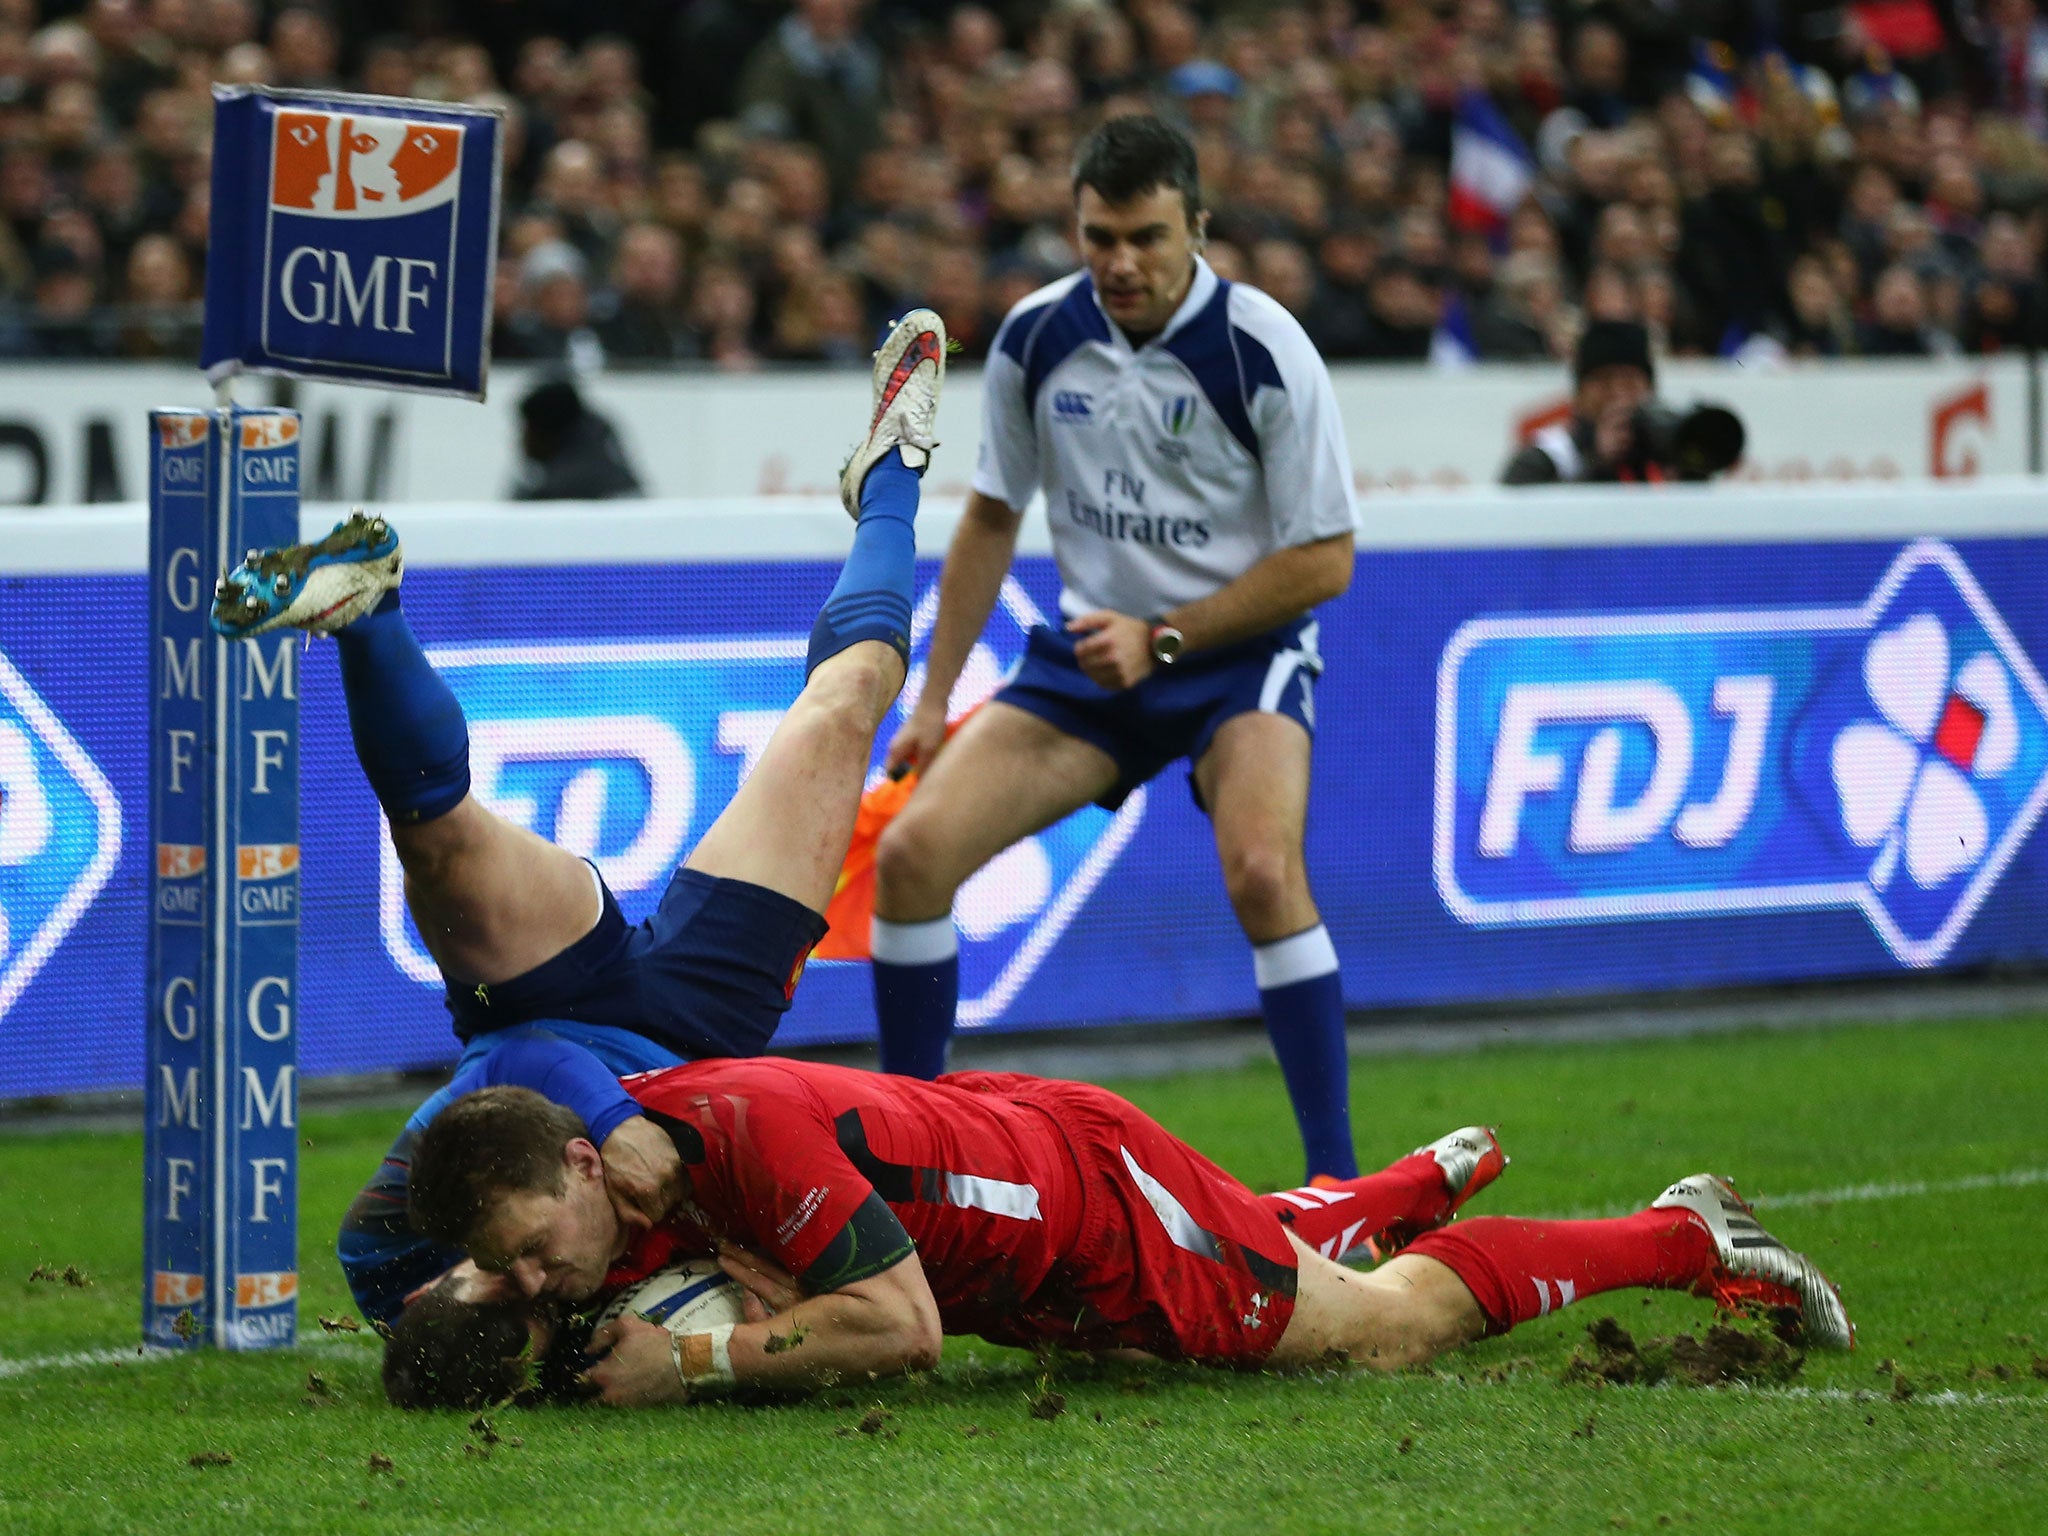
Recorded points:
738,182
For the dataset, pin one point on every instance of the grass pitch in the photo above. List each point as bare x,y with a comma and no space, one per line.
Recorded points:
1911,1161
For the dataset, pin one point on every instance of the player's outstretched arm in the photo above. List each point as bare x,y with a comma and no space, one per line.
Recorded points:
883,1325
978,559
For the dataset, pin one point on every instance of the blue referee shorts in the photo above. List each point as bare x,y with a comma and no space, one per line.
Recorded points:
709,973
1176,712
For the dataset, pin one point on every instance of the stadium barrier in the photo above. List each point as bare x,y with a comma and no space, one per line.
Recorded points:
66,432
1569,743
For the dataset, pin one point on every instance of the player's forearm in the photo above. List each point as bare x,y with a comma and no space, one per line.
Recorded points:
1283,586
978,559
819,1341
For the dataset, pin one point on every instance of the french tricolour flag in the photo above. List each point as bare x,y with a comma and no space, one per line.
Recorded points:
1491,169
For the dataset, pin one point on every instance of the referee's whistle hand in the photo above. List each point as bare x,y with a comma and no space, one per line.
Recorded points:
916,744
1114,651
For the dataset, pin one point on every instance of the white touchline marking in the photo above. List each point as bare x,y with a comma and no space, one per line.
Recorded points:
139,1356
2016,1178
145,1354
1947,1397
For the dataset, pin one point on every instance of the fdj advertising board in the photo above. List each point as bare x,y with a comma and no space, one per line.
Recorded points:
1539,772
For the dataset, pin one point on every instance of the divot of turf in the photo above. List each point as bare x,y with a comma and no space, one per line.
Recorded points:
1047,1405
1728,1354
70,1274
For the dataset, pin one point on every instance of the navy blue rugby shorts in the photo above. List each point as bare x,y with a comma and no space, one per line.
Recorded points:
1175,712
709,973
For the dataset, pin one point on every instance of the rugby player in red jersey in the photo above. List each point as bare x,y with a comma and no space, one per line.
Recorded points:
868,1215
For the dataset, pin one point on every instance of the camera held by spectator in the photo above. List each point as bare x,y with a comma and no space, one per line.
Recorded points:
1618,430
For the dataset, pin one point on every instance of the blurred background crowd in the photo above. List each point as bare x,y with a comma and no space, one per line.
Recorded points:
734,182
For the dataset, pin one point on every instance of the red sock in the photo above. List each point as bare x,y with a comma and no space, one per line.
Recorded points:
1343,1217
1517,1269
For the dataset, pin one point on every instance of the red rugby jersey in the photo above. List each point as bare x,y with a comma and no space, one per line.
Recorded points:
797,1160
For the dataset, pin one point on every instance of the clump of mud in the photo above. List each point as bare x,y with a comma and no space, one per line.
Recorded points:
1727,1355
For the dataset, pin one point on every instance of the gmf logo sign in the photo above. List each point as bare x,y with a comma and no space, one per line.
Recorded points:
353,237
358,167
1891,757
60,833
362,253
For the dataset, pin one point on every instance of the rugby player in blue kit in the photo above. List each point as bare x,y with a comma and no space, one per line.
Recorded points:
548,984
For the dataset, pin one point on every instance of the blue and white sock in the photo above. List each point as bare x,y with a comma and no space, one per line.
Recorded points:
871,600
408,728
917,991
1302,996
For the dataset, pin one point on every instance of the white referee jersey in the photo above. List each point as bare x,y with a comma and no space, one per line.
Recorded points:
1170,470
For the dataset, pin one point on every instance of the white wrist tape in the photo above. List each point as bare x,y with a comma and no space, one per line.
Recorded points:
720,1369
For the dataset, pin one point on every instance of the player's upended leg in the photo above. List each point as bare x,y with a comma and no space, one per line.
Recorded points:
788,827
491,900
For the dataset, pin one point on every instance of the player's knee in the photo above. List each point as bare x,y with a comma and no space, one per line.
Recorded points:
855,687
909,869
1262,879
921,1352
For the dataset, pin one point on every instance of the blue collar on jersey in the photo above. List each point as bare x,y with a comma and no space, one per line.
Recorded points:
1199,293
1229,365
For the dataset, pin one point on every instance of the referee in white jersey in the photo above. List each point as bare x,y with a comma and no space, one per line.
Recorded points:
1199,491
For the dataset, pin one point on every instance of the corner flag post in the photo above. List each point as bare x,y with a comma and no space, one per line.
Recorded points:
221,1095
353,239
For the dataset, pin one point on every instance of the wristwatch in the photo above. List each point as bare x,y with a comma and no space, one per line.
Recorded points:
1166,643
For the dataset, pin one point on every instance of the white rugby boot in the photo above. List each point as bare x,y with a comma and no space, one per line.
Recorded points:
1471,1158
1752,1268
317,587
910,367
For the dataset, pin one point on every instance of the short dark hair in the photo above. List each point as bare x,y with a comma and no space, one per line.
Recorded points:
485,1144
1128,156
450,1353
1610,344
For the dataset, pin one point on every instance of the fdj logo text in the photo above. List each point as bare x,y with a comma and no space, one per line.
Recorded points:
622,752
1891,757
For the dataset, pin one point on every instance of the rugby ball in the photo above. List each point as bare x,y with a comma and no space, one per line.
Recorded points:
690,1297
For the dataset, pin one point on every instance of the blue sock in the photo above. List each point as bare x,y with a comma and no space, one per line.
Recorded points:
917,990
1303,999
409,732
871,600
